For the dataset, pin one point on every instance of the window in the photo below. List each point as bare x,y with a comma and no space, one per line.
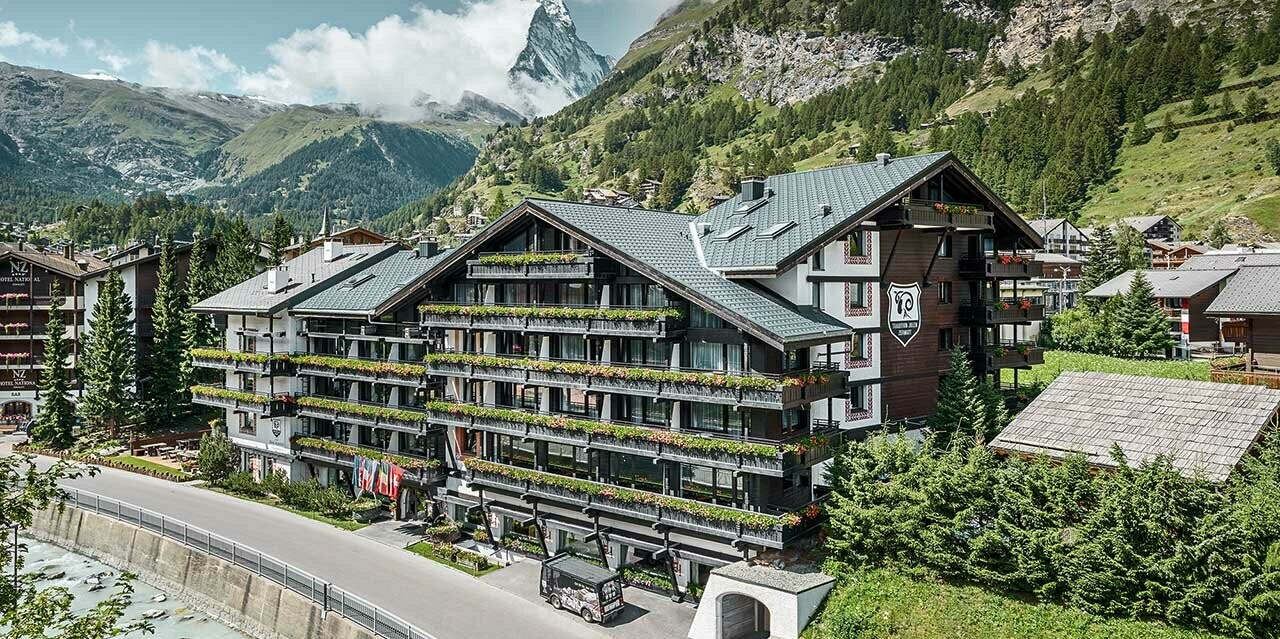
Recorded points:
730,233
857,350
946,340
715,418
699,318
945,247
818,264
571,347
636,350
855,246
790,420
815,295
857,399
642,410
634,471
776,230
707,484
248,344
857,294
577,402
513,451
572,461
944,292
715,356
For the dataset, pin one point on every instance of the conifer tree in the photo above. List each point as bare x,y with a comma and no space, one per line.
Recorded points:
1254,106
1103,263
108,370
961,410
1168,133
1140,133
1131,248
237,257
1228,107
1198,105
1218,235
57,414
164,393
1141,326
280,237
197,329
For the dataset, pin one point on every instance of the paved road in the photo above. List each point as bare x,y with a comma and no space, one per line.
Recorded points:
437,599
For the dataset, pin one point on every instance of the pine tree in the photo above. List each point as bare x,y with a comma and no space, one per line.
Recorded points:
960,410
164,393
1228,107
1218,235
1140,324
1131,249
280,237
1168,133
1198,104
1139,134
1103,263
1254,106
197,329
108,370
237,257
57,414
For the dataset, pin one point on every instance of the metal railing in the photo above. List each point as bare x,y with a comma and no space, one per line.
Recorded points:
329,597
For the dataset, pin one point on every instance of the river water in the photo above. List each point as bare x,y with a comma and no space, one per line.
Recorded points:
173,619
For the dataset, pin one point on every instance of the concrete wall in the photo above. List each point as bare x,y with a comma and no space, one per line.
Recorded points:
235,596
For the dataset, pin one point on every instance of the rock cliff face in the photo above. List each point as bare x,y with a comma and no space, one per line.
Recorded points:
1035,24
556,66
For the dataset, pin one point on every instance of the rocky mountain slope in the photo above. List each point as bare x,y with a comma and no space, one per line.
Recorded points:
555,60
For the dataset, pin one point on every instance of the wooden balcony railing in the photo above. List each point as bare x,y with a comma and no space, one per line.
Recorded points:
537,265
1001,267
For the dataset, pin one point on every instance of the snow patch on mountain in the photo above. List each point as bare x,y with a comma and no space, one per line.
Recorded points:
556,66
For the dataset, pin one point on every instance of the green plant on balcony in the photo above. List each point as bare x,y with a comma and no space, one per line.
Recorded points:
1224,363
611,314
230,394
363,410
1000,305
521,259
747,519
346,449
999,351
368,367
623,432
15,328
10,358
235,356
637,576
715,380
955,209
1024,349
11,298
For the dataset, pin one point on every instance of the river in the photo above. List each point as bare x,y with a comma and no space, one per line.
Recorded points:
173,618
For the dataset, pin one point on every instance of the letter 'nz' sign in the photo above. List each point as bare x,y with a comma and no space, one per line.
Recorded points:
904,311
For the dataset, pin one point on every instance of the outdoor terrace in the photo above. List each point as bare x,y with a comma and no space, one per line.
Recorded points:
934,214
364,370
373,414
419,469
1010,355
260,363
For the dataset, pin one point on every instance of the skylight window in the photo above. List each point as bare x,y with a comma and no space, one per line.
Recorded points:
744,208
359,279
729,234
776,229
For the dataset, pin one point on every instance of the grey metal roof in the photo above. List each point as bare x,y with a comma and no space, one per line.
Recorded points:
1044,226
367,289
661,241
1144,222
1211,261
1164,283
1205,427
792,579
1055,258
799,197
1253,290
583,570
309,274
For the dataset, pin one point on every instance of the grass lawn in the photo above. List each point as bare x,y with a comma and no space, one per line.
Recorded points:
1057,361
883,603
149,465
345,524
425,549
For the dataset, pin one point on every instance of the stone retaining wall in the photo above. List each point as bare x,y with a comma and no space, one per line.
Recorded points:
252,603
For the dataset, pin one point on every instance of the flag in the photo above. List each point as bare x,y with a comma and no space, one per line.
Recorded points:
397,476
368,474
356,467
384,479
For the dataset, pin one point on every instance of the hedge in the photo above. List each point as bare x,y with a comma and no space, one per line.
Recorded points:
364,410
398,369
754,520
612,314
520,259
347,449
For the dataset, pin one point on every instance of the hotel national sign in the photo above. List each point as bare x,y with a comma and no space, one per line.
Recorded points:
19,378
904,311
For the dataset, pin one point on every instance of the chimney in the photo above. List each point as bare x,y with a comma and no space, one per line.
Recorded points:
83,264
752,188
428,247
883,159
22,243
69,251
702,228
332,250
277,279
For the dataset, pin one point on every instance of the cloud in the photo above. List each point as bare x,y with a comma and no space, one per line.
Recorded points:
12,36
400,61
190,68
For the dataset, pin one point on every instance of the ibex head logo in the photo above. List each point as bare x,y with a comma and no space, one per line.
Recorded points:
904,311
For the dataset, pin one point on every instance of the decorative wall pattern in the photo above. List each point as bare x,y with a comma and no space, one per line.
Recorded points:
864,361
852,414
849,309
859,259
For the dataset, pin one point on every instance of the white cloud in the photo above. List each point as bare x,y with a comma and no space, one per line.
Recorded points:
398,61
115,61
12,36
191,68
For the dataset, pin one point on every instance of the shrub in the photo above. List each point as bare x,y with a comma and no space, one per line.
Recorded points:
217,458
243,483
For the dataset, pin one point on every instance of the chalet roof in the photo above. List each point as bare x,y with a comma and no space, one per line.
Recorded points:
309,274
54,262
368,288
1043,227
1164,283
1205,427
1055,258
852,192
1213,261
1143,223
1253,290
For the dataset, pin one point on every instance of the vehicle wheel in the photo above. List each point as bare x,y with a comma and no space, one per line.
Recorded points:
555,602
589,616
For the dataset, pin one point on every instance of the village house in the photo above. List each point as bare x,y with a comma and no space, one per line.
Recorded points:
1155,227
1183,296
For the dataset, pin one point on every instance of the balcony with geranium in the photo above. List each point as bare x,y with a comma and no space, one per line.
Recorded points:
264,404
533,264
1001,266
925,214
1002,311
1009,354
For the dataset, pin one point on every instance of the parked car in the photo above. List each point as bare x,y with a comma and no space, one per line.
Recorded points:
569,583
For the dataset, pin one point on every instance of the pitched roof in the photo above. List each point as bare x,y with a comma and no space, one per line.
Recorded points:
1144,222
1044,226
1212,261
368,288
1205,427
1164,283
794,204
660,240
1055,258
1253,290
56,263
309,274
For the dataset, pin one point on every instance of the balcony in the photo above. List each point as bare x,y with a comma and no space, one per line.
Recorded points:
1002,312
756,391
933,214
419,470
1009,355
763,528
1001,267
362,370
262,404
260,363
536,266
656,323
773,457
375,415
334,329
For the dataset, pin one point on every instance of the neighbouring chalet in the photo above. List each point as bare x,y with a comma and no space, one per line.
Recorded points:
1183,295
1249,310
643,386
1155,227
1061,237
1169,255
351,236
1205,428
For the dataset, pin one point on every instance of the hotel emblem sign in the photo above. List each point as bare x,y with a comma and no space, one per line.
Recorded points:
904,311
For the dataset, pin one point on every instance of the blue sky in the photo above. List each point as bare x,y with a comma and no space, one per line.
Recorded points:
279,48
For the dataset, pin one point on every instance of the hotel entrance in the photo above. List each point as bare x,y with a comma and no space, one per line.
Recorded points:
15,413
